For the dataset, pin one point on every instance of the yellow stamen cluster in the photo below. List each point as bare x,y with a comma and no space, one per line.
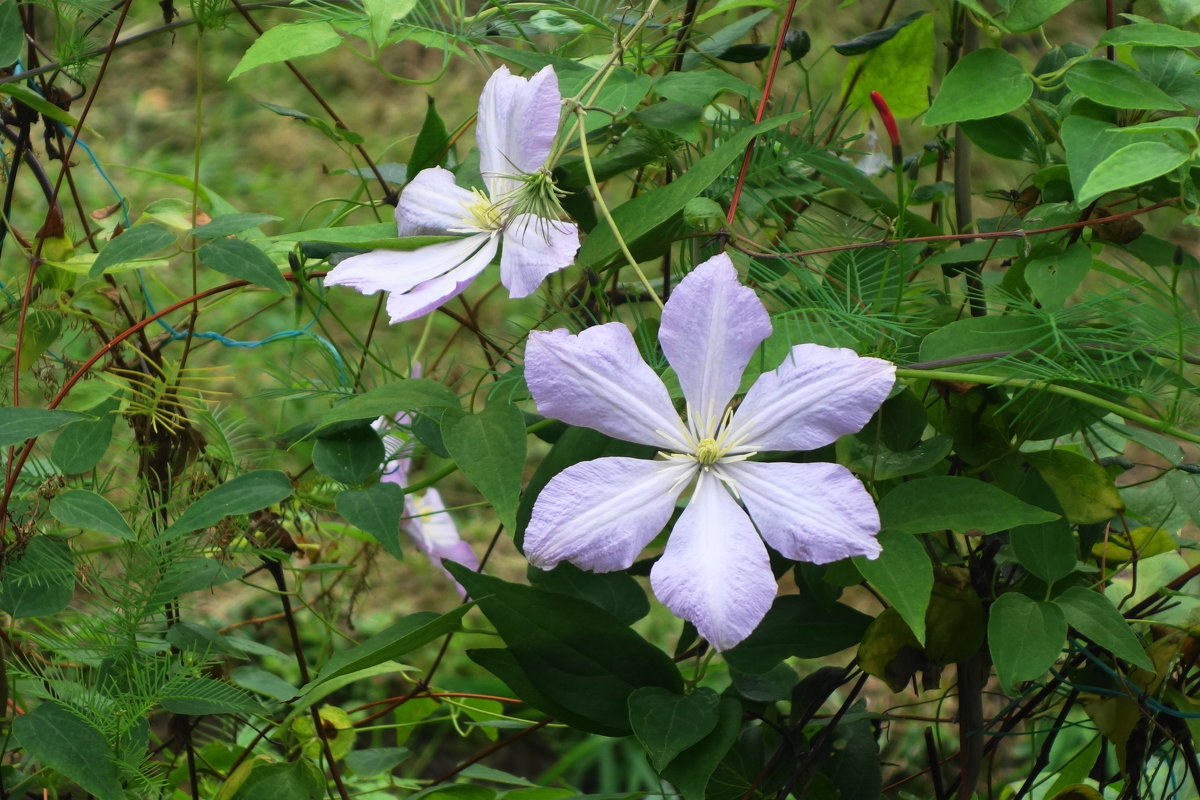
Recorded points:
708,452
484,213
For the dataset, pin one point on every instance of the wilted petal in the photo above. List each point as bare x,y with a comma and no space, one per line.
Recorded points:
533,248
432,528
432,204
432,292
715,572
817,395
598,380
600,514
808,512
518,118
710,328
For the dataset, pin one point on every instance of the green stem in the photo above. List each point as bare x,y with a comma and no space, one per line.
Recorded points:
1075,394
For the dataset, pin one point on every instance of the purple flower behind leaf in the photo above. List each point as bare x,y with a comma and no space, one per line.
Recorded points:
518,119
426,520
715,572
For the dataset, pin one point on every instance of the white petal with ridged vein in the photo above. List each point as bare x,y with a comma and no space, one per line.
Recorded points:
808,512
710,327
533,248
597,379
518,119
432,204
601,514
715,572
430,294
817,395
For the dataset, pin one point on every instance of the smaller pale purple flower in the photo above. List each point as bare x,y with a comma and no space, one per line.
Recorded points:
715,571
517,122
426,520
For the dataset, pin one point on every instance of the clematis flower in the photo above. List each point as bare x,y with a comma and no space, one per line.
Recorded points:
426,521
517,121
715,571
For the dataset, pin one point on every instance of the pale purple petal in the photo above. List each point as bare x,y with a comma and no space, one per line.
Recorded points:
432,528
817,395
808,512
431,293
598,380
401,270
432,204
710,328
715,572
533,248
518,118
600,514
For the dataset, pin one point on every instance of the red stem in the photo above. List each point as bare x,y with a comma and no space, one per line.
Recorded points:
762,109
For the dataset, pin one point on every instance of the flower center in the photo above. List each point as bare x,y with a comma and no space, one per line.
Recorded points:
708,452
485,214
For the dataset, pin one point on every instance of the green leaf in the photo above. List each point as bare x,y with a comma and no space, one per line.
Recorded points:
798,625
375,760
501,663
869,41
1150,34
1084,490
1094,615
645,212
1053,279
12,33
692,769
701,87
82,444
349,454
245,493
432,142
287,41
666,723
375,510
963,94
576,655
240,259
375,236
199,696
230,224
944,502
19,424
60,740
901,68
264,683
1111,83
383,14
1025,637
489,448
29,97
398,639
1172,70
41,582
409,395
875,460
1004,136
618,593
1025,15
1133,164
188,575
903,574
294,780
84,509
1046,550
137,242
990,334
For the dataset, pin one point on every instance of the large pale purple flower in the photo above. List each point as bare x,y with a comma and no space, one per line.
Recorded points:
518,119
715,572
